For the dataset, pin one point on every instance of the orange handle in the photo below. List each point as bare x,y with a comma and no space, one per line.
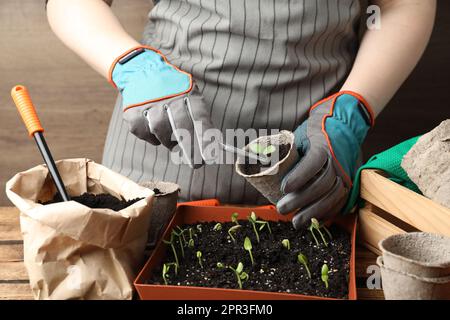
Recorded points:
26,109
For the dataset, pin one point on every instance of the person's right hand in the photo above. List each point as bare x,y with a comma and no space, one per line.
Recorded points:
159,100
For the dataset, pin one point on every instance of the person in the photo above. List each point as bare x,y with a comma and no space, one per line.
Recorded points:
260,64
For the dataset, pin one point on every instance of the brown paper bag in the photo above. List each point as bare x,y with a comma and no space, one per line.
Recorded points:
72,251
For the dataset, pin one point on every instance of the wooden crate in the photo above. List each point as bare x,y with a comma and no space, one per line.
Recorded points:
391,209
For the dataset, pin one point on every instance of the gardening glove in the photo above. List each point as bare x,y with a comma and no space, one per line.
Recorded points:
159,100
329,144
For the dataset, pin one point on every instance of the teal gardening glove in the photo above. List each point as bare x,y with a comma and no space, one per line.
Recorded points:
159,100
329,144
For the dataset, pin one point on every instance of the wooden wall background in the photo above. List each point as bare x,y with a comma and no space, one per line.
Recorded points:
75,104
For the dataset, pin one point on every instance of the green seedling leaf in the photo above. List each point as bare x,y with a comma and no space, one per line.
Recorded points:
248,247
316,226
191,243
247,244
263,224
244,276
217,227
269,149
199,257
315,223
234,218
232,231
239,272
239,268
286,243
256,148
253,219
304,261
324,274
165,270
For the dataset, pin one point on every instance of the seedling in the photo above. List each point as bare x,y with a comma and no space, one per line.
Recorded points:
180,241
166,269
238,271
254,221
234,218
316,226
171,242
252,218
248,247
217,227
233,230
286,243
257,148
263,225
191,242
181,234
304,261
199,257
199,228
324,274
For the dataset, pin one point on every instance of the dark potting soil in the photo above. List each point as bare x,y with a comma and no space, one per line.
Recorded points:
253,168
157,191
93,201
276,269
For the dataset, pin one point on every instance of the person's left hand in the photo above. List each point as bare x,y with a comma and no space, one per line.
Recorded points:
329,145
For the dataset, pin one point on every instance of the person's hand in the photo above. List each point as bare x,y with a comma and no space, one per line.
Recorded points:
329,145
159,100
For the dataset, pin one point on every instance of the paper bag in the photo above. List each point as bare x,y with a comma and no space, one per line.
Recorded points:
72,251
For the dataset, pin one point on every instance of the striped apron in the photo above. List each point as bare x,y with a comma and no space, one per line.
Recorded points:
259,64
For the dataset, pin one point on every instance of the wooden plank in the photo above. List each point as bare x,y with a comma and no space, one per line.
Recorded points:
13,271
372,228
15,291
9,224
414,209
364,259
370,294
11,252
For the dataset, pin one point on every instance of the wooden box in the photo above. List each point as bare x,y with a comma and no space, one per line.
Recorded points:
391,209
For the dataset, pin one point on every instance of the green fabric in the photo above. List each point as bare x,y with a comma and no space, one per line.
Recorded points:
390,162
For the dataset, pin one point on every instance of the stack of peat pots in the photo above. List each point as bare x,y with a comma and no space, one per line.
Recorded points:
415,266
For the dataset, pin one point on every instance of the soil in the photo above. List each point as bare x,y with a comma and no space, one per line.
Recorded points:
276,269
254,168
157,191
93,201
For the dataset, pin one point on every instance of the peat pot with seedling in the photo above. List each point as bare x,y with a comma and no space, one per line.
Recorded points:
214,252
279,154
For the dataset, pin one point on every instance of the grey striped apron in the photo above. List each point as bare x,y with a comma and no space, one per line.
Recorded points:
259,63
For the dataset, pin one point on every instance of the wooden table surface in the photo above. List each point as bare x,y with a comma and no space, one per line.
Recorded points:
14,279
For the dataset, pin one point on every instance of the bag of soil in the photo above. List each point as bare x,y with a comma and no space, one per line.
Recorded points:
72,251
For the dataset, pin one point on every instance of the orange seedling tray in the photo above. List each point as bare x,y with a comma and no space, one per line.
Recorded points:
209,210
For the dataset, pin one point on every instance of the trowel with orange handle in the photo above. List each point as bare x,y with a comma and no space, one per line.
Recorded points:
28,113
